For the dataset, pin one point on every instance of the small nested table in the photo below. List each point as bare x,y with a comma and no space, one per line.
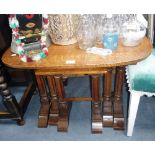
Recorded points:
107,109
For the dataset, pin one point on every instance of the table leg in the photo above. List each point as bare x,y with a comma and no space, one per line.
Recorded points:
118,103
107,100
54,109
96,105
10,102
44,109
64,108
15,110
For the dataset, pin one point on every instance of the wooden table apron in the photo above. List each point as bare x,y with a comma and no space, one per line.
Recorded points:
70,60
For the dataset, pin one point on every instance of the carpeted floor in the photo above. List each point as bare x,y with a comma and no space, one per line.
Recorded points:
79,127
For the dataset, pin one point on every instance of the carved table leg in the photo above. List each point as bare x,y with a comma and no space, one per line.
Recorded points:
44,109
118,107
96,105
10,103
107,100
64,108
54,109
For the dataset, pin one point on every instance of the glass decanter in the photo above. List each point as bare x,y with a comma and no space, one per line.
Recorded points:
100,21
110,36
86,32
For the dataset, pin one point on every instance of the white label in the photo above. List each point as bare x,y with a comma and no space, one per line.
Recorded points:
70,61
13,55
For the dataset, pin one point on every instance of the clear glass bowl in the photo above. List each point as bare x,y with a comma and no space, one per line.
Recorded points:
133,33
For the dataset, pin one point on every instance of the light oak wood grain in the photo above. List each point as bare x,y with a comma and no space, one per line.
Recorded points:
59,55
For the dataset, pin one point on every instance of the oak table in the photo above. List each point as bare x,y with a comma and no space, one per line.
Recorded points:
107,110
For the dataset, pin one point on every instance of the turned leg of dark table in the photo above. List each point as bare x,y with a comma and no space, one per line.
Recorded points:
54,109
15,110
107,100
45,106
11,104
118,103
64,107
96,105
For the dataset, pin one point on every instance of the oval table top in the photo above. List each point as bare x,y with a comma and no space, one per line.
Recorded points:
70,56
